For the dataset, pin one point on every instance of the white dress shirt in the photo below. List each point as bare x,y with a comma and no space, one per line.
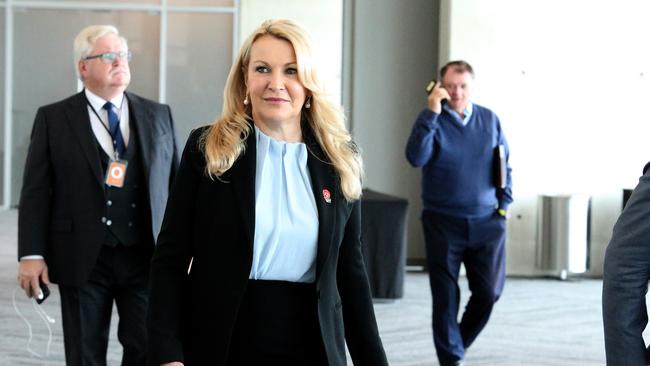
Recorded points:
100,127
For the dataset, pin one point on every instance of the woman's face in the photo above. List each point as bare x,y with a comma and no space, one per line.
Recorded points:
275,93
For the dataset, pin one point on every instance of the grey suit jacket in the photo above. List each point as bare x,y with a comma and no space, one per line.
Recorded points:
63,195
625,282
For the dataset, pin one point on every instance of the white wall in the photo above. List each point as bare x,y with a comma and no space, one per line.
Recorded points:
570,81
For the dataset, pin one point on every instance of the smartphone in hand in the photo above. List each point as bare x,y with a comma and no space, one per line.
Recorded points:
430,86
44,289
429,89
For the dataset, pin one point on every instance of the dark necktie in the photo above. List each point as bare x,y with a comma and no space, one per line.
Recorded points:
114,129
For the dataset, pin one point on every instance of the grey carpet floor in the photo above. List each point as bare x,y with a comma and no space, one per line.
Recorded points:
536,322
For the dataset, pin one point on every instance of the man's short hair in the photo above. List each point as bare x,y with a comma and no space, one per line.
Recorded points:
457,66
84,42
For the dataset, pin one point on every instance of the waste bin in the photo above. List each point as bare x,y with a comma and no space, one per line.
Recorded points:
562,234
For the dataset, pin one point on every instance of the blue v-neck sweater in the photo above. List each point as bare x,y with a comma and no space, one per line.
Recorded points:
457,175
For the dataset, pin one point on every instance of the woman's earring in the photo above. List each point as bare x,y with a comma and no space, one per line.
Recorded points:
308,103
246,100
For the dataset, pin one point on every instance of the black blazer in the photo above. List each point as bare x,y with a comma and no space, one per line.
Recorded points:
62,198
210,222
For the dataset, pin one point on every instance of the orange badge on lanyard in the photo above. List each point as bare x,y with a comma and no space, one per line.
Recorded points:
116,173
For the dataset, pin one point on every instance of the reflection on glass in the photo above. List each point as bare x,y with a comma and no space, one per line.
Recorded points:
43,57
112,1
199,58
201,2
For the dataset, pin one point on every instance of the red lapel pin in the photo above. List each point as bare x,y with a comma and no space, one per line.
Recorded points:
327,196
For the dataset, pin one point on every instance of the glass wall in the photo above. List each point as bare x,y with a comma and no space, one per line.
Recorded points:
201,2
95,1
45,73
198,36
199,55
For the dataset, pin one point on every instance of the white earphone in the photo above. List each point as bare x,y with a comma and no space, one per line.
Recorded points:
43,315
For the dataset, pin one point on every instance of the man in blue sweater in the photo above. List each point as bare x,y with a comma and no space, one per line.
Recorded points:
464,215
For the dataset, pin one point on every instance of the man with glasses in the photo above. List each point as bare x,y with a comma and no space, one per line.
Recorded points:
99,168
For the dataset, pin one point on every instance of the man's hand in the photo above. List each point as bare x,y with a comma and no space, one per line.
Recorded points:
436,96
29,271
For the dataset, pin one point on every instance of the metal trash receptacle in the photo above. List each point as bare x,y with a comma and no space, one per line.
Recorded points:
562,234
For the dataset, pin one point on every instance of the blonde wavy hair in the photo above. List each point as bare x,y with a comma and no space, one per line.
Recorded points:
224,141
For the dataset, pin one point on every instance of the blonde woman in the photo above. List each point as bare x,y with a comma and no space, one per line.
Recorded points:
259,258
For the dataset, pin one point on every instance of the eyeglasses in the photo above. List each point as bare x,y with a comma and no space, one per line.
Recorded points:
110,57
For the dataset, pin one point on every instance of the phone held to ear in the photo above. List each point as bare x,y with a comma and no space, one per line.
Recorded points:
44,290
429,89
430,86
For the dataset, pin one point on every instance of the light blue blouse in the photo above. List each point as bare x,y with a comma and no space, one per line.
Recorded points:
286,218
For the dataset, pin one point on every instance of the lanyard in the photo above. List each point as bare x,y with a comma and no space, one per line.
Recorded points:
105,124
